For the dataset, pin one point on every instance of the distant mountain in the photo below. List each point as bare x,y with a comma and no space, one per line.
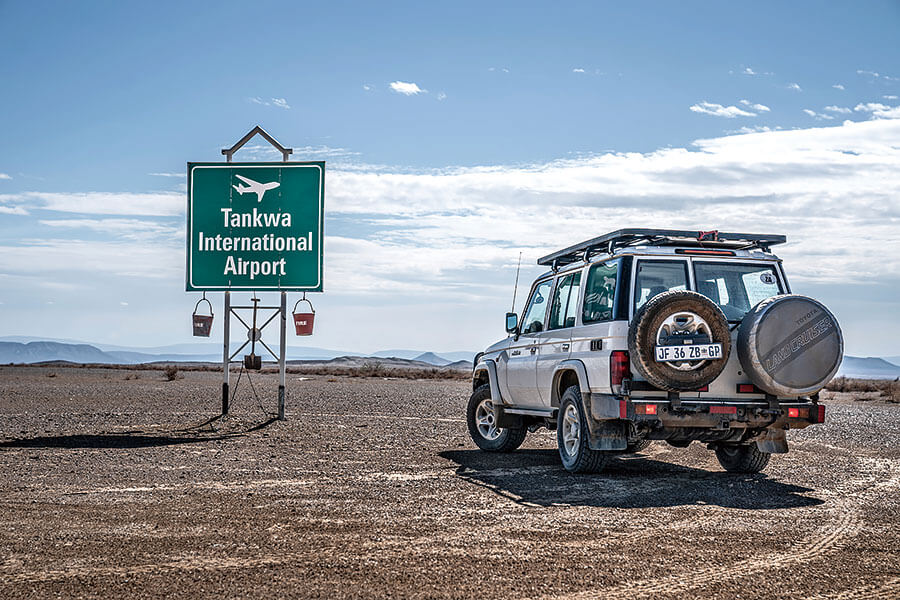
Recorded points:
894,360
868,368
415,354
43,351
432,359
16,352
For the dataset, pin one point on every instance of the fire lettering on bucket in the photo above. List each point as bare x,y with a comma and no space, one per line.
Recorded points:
253,267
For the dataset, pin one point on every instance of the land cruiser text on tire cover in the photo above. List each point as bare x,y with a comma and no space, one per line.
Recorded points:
654,334
790,345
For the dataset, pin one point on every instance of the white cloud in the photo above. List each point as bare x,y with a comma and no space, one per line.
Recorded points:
836,182
277,102
795,87
818,116
878,110
890,97
578,70
876,75
181,175
4,176
749,71
717,110
838,86
368,87
13,210
838,109
441,96
407,89
131,229
758,107
75,259
754,129
163,204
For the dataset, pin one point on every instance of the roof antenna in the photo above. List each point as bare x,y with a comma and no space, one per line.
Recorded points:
516,288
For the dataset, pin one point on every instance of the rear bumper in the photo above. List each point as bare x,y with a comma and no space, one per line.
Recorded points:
708,413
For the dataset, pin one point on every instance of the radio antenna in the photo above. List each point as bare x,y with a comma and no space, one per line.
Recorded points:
516,288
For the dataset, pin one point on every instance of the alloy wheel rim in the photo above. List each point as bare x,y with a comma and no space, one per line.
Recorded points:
486,420
571,430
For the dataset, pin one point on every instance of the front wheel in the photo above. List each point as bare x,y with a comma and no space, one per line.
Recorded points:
741,459
482,421
572,436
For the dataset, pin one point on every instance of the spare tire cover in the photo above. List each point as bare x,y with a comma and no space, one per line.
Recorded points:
790,345
674,313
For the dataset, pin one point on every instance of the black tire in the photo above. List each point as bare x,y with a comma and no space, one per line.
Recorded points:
745,458
638,446
507,439
790,345
580,459
642,338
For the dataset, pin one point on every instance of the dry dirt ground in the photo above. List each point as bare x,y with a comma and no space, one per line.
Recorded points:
120,487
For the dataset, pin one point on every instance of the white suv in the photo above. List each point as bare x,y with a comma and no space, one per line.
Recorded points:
651,334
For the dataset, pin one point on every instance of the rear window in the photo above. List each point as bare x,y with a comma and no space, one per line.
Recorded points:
600,293
656,277
736,288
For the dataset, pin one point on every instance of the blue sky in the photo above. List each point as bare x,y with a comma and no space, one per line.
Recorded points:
455,136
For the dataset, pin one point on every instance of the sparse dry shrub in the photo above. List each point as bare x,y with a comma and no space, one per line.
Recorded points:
372,369
888,389
51,374
171,373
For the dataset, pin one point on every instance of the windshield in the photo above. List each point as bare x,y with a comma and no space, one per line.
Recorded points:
736,288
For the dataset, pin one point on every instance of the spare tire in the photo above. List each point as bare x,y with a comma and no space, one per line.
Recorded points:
790,345
678,318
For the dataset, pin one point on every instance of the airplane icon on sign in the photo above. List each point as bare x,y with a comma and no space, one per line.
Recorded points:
255,187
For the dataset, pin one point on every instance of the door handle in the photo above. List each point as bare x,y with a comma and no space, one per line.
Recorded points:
533,349
565,347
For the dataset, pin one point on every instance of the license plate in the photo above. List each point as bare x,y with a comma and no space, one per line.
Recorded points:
688,352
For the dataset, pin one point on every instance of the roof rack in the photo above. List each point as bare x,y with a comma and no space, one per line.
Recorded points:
610,242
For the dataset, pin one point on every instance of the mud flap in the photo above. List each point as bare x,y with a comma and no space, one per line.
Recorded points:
606,434
506,420
772,441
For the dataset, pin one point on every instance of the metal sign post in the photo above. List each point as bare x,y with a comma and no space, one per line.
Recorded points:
255,227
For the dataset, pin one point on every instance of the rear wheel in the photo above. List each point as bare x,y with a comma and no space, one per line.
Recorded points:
482,421
741,458
572,436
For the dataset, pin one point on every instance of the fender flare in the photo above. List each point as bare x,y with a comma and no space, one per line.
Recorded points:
569,365
490,367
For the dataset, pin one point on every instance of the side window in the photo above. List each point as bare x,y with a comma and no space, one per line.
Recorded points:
562,309
656,277
600,293
533,321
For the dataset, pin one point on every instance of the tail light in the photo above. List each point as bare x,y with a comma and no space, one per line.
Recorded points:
619,369
818,414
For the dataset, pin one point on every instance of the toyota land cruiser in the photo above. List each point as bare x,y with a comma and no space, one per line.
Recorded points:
652,334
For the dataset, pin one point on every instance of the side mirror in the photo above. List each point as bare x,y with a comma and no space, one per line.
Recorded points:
512,322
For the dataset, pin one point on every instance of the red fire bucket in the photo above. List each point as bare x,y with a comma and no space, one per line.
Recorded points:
303,321
202,323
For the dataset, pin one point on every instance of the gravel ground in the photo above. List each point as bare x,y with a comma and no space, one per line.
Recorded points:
120,484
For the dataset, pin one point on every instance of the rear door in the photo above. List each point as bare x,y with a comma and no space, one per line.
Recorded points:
554,345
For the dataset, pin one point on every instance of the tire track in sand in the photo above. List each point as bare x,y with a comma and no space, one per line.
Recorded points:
850,496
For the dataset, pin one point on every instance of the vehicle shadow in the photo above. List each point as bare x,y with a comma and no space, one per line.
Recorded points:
536,477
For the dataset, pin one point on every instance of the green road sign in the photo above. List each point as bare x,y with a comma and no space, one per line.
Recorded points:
255,226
